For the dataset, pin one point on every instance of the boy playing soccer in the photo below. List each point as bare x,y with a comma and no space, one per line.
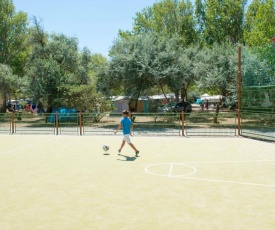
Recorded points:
126,125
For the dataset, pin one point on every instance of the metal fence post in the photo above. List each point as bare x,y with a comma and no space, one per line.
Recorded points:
239,91
12,123
56,122
182,123
80,122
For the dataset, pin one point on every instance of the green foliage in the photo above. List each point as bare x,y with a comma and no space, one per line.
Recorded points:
143,62
221,20
60,74
256,70
260,23
162,53
85,98
217,71
129,65
10,85
258,92
13,37
6,83
97,63
168,18
200,14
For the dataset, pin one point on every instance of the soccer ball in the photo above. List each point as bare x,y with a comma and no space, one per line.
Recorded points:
105,147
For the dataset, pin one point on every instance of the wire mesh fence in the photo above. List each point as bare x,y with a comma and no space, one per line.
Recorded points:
157,124
211,124
28,123
100,124
68,124
258,93
145,124
5,123
258,125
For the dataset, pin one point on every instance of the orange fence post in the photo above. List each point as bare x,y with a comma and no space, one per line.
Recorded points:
239,91
182,123
12,123
56,122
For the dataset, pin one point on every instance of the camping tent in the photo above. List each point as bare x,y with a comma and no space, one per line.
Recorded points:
64,115
121,103
211,99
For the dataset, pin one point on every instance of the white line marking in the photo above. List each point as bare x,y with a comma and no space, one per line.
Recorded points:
171,170
146,169
215,162
230,182
26,146
169,174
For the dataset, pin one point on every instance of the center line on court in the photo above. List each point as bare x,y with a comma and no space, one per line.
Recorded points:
171,169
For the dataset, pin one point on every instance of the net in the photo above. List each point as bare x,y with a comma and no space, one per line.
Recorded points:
258,92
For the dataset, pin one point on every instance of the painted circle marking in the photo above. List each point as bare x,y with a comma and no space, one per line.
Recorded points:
169,169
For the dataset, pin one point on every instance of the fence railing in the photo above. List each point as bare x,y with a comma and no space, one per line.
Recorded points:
158,124
5,123
27,123
211,124
147,124
258,125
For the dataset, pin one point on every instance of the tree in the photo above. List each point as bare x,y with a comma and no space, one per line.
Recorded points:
56,67
61,75
221,20
217,69
187,64
10,85
260,23
130,65
200,15
142,62
173,66
168,18
97,63
162,54
130,69
256,70
13,37
85,98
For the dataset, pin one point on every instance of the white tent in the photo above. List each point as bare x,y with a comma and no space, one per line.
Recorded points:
121,103
205,95
162,97
211,99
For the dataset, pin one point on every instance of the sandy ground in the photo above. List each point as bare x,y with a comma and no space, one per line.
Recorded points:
69,182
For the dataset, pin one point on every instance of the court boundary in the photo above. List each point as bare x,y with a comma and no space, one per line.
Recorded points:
169,175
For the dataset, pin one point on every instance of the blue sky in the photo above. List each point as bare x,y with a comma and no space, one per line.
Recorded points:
94,22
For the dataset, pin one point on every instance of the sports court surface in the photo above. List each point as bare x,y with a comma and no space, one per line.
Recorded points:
69,182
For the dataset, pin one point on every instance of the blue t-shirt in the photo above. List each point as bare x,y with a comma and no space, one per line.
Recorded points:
126,125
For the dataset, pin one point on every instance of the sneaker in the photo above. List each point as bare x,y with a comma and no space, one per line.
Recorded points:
137,152
119,151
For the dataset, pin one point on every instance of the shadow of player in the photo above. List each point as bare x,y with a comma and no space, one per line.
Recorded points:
127,158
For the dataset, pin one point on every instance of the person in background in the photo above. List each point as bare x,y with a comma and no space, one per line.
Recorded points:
206,105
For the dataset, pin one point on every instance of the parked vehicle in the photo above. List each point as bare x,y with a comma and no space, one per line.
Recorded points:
166,108
182,106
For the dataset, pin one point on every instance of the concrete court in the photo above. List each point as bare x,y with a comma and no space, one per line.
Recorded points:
68,182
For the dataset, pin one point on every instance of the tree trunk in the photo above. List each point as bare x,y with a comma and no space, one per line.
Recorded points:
3,106
136,102
177,95
163,92
183,92
217,113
